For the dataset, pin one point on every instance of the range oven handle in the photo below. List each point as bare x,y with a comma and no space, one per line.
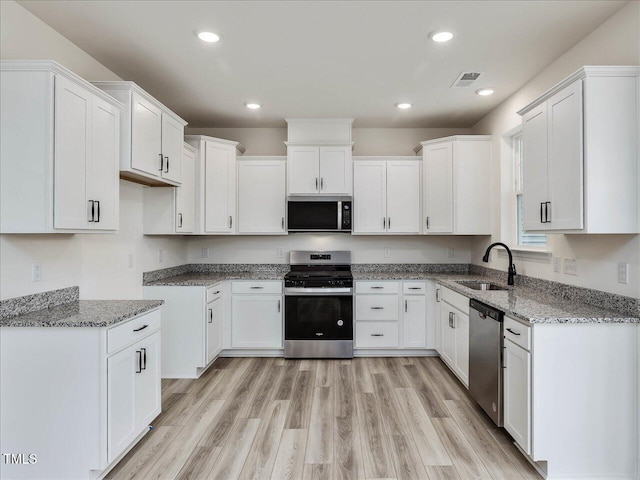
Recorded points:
299,291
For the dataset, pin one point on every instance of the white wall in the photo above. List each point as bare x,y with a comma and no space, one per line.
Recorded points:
368,141
99,264
615,42
364,249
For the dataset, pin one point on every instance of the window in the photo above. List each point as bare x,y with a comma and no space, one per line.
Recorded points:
524,239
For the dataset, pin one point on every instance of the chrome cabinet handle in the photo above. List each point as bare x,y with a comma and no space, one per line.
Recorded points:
384,223
167,159
279,306
377,334
144,358
376,288
321,183
217,292
377,308
388,223
179,220
161,162
256,288
230,221
316,183
282,223
547,207
141,328
92,216
139,366
98,210
453,319
512,331
415,288
541,212
437,294
211,315
428,223
406,306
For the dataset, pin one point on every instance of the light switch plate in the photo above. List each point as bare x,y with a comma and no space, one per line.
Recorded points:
387,252
280,253
450,252
571,266
36,272
205,253
557,264
623,272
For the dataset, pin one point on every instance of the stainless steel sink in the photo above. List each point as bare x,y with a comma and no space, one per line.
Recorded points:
481,285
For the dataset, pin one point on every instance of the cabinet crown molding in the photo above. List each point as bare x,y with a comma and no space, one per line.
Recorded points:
55,67
191,139
134,87
581,73
452,138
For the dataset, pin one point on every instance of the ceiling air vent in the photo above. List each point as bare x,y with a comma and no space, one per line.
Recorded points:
466,79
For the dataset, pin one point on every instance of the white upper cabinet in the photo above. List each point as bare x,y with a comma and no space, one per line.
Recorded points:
456,185
262,196
319,157
152,136
580,145
215,191
386,196
170,210
60,150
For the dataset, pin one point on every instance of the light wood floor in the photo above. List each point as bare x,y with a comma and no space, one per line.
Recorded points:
394,418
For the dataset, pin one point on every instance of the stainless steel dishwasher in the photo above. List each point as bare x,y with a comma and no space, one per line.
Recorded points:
485,358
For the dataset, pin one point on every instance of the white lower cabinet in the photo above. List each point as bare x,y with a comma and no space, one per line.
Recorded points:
81,397
454,333
517,394
191,326
414,315
256,318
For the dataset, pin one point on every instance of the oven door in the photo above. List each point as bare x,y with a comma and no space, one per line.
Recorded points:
318,317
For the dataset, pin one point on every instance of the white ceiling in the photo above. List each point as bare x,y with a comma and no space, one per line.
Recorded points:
324,59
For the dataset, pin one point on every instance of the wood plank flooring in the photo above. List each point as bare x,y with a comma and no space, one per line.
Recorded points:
366,418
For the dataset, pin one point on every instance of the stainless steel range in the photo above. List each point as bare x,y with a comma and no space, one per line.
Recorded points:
319,305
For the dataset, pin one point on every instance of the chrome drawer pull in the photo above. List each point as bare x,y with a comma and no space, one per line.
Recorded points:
377,288
256,288
511,331
377,308
141,328
377,334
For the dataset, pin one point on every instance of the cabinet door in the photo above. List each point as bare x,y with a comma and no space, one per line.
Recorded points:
146,136
256,321
414,321
72,150
220,188
438,188
214,329
185,194
335,170
103,166
461,331
261,196
447,335
304,170
517,395
565,166
534,151
403,197
172,145
121,390
147,389
370,197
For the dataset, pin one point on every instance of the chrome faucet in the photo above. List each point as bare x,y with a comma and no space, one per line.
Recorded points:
512,267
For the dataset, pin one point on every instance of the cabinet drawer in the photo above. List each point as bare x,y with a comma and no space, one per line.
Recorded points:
273,287
455,299
517,332
132,330
377,287
376,335
213,293
414,288
376,307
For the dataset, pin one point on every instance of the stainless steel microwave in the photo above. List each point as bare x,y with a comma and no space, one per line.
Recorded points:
319,214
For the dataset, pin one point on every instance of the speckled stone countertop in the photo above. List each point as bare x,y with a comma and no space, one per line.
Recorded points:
525,304
83,313
209,279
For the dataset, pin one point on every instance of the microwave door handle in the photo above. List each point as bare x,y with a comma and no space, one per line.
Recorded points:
339,215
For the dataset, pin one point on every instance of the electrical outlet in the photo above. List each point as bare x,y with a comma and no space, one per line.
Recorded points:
571,266
205,253
387,252
451,252
160,255
280,253
623,272
557,264
36,272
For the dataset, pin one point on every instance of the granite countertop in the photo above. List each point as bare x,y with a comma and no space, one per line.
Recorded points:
524,304
210,279
83,313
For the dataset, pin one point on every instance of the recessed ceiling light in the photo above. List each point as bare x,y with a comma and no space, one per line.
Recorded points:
440,36
485,92
253,106
403,105
208,37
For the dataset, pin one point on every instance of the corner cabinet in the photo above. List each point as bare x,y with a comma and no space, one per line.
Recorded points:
59,137
456,185
102,392
152,136
171,210
580,154
262,197
215,186
386,195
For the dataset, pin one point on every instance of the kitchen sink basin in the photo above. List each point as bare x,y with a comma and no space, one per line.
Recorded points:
482,285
